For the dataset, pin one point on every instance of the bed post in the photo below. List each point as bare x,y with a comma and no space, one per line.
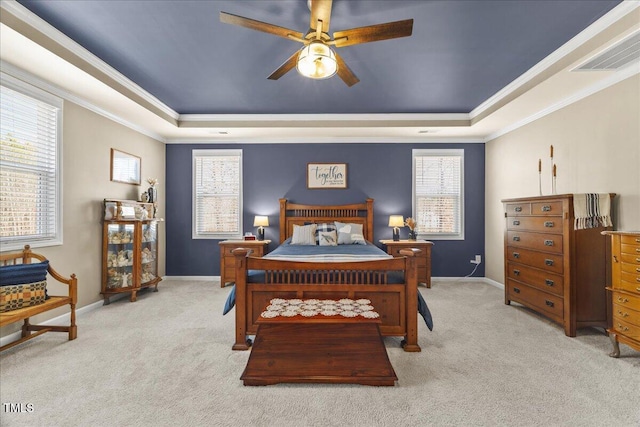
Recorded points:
283,220
410,343
241,298
370,220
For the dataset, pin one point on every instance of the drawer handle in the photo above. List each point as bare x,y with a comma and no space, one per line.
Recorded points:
516,272
548,282
516,290
622,328
637,240
549,303
620,299
638,269
546,208
623,314
548,262
637,259
516,222
548,242
518,209
548,224
516,255
516,238
638,250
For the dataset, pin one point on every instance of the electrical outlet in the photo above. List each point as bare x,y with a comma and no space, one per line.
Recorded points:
478,260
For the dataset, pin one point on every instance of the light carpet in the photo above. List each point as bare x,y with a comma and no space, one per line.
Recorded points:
166,360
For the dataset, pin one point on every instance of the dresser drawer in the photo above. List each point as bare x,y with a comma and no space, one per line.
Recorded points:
624,313
626,267
630,240
539,279
630,249
628,283
630,259
548,262
538,241
550,304
624,299
626,329
535,223
546,208
517,209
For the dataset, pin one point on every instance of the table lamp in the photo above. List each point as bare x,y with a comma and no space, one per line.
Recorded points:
396,221
261,222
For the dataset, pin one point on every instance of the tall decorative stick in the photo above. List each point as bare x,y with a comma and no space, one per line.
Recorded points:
540,176
552,192
554,178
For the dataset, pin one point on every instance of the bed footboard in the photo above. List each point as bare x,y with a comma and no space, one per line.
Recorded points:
395,300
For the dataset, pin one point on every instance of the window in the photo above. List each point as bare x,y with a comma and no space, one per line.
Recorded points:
438,195
217,194
30,166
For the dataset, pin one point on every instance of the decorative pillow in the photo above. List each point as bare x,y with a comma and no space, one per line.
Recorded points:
323,228
13,297
328,238
20,274
304,234
350,234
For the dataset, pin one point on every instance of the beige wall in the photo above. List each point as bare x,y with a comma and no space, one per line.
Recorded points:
87,142
596,148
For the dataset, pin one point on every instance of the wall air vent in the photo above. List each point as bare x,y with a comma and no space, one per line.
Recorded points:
617,56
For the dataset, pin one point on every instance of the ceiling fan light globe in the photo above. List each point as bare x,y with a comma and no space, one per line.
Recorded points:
317,61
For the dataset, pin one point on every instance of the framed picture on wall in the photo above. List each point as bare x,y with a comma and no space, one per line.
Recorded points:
125,167
326,175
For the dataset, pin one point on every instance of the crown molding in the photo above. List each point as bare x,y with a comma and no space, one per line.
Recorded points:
615,78
37,23
328,140
615,15
20,74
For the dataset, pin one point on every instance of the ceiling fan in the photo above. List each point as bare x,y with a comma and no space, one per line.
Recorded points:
316,59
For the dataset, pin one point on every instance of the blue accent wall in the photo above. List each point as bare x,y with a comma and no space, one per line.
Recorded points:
272,171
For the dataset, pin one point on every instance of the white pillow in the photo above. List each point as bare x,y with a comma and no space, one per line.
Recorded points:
304,234
350,234
328,238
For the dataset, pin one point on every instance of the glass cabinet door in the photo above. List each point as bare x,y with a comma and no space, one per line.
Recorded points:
120,247
149,252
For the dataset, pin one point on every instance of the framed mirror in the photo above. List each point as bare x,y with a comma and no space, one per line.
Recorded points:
125,167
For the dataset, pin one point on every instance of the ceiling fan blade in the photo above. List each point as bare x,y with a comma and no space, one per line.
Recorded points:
288,65
252,24
320,10
345,72
373,33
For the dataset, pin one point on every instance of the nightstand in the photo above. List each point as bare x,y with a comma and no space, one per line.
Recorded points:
227,260
424,258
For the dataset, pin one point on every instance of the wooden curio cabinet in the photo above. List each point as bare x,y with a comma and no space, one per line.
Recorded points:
130,249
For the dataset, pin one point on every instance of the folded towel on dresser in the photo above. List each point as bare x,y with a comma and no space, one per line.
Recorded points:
592,210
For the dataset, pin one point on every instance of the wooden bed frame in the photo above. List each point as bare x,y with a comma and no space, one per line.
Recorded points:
397,304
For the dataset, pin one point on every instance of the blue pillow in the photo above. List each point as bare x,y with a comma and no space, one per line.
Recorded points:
231,301
20,274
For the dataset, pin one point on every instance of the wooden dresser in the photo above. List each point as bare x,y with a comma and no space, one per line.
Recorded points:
424,258
228,261
552,268
625,290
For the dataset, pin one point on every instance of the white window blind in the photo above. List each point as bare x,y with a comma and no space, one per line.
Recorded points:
438,193
30,128
217,194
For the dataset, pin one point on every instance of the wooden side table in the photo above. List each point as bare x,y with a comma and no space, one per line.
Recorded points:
424,258
227,261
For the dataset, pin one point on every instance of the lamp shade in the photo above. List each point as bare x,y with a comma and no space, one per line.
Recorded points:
261,221
396,221
317,61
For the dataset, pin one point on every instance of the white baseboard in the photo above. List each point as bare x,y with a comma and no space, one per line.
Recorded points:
62,320
450,280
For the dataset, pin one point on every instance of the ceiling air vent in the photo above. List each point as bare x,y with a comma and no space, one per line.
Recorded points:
616,57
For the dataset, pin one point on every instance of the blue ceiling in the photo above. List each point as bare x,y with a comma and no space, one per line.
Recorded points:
460,53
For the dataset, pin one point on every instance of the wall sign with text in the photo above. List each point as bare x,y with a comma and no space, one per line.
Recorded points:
326,175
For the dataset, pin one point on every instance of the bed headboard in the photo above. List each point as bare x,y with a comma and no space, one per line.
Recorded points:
293,213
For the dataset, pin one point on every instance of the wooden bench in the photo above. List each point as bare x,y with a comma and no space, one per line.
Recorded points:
25,257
